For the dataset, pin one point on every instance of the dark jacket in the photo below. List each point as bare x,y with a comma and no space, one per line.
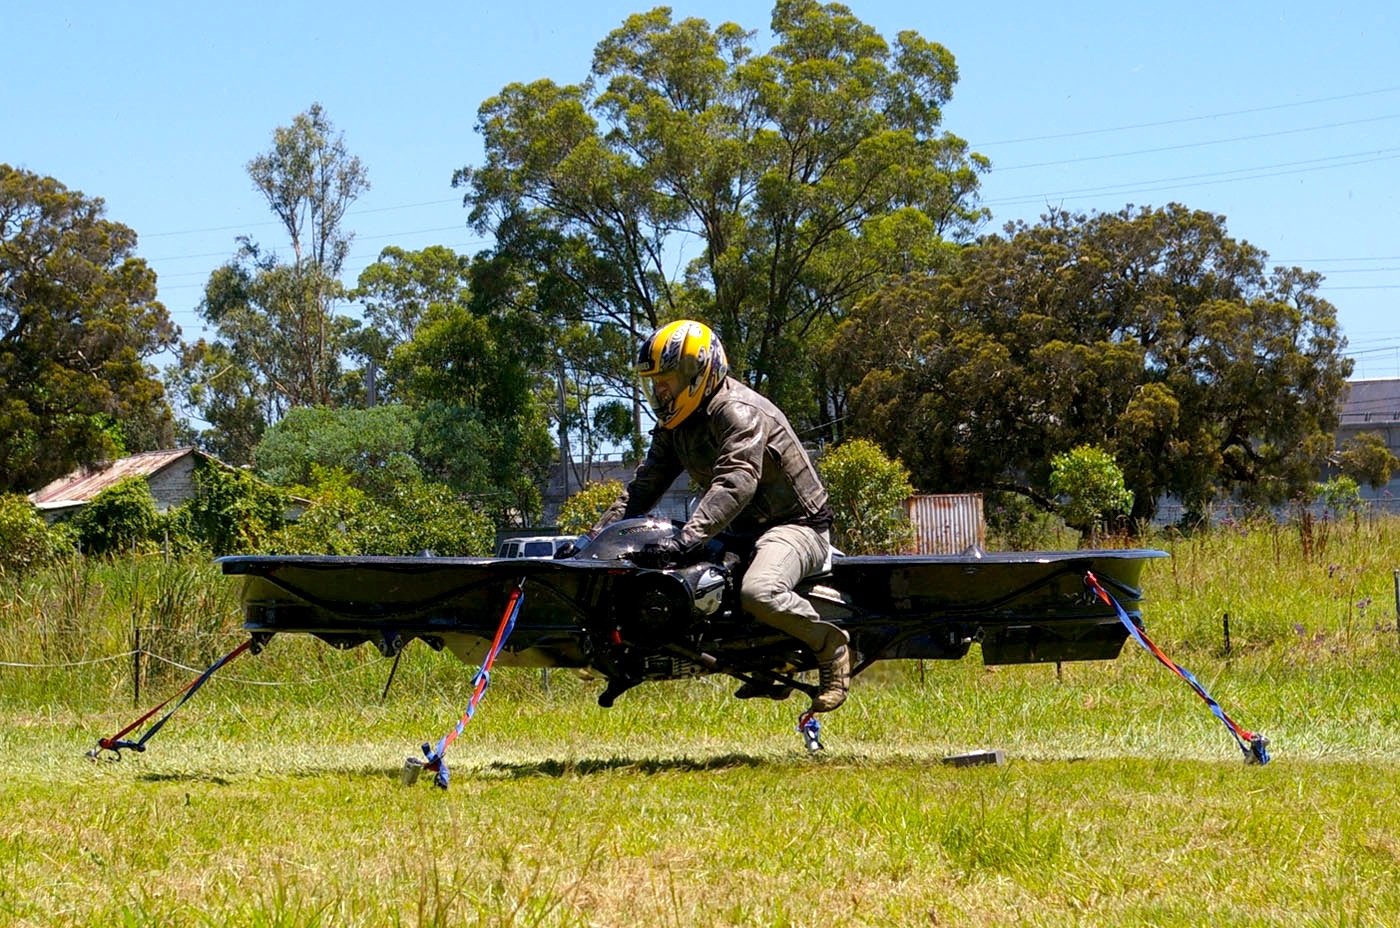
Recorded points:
741,449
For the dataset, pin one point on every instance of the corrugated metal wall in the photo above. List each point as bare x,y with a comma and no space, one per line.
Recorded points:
946,523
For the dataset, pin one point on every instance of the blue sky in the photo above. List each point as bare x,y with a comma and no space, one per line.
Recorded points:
1281,117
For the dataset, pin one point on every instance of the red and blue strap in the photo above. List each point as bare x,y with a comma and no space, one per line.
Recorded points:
435,755
1254,746
115,744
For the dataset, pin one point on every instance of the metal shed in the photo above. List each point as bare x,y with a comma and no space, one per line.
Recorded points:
946,523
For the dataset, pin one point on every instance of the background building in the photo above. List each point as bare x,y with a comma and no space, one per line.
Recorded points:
1373,406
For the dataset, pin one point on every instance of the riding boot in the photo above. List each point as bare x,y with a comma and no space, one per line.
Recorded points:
833,679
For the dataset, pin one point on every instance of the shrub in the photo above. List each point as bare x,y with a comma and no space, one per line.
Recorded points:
331,521
867,491
428,516
122,517
582,510
25,541
231,512
1340,495
1015,523
374,446
1092,483
419,516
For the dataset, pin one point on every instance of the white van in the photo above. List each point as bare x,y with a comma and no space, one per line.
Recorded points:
532,546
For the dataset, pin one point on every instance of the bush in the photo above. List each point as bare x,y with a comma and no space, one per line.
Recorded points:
122,517
1014,523
231,512
582,510
420,516
1093,483
374,446
429,516
1340,495
331,522
25,540
868,491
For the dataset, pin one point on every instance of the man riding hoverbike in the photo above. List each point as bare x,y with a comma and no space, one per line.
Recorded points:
758,485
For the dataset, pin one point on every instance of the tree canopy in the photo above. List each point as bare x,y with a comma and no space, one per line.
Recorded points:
483,431
804,198
280,340
79,325
1148,332
397,292
691,175
374,446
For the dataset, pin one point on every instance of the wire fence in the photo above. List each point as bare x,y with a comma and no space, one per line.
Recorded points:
142,654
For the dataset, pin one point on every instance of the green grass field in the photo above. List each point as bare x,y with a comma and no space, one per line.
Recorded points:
1123,801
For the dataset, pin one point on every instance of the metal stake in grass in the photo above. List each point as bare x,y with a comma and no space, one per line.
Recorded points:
976,758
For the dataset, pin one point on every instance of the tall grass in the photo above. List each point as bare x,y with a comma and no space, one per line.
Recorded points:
1287,604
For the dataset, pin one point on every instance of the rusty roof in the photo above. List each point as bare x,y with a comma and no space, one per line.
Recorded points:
82,485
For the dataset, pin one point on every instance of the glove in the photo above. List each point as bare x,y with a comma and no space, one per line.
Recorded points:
665,551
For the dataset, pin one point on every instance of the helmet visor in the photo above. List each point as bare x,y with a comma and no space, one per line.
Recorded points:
663,391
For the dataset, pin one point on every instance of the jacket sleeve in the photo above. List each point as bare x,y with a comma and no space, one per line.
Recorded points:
742,440
653,477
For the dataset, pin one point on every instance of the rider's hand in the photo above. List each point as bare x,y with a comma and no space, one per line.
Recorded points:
665,551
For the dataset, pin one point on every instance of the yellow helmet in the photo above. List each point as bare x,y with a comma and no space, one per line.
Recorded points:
683,364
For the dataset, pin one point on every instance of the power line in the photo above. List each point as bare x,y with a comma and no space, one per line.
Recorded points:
1186,145
1379,339
1363,157
1174,185
366,256
273,222
1185,119
1360,287
358,238
1329,260
1358,353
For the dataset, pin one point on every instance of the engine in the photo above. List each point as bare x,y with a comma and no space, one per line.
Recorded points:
662,602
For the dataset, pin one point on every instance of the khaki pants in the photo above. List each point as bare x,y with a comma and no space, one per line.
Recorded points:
783,556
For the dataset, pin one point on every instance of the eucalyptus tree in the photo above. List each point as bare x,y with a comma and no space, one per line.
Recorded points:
470,372
692,174
1148,332
396,293
279,336
79,325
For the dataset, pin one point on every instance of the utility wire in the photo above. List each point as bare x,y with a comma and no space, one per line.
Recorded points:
274,222
1131,189
1261,172
1185,119
1186,145
355,257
